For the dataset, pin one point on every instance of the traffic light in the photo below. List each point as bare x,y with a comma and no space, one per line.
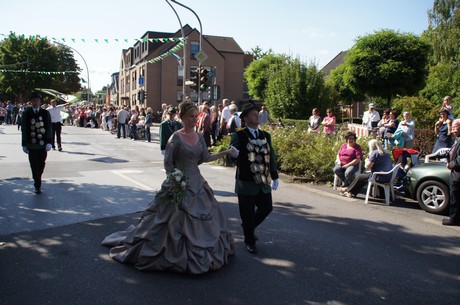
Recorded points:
194,78
141,96
203,79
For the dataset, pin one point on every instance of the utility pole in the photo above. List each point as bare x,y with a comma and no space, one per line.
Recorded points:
86,65
184,57
201,38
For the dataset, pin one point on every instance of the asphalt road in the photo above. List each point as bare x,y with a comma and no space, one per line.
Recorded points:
315,248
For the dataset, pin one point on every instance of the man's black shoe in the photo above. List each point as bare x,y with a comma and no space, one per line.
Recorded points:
60,148
38,191
450,222
251,249
54,148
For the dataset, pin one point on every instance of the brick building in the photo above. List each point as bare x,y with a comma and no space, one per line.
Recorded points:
156,68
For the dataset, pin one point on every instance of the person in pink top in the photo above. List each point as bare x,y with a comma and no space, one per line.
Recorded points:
329,122
348,160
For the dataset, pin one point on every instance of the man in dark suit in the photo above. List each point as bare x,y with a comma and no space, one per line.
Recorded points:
454,166
256,169
168,127
36,138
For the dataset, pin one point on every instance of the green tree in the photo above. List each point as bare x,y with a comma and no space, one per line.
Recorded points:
258,53
386,64
294,89
257,74
33,54
346,94
443,32
423,111
443,79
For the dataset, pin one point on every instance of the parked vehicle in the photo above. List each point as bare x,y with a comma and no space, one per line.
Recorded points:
428,183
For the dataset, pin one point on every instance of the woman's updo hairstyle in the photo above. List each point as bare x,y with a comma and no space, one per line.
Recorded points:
185,107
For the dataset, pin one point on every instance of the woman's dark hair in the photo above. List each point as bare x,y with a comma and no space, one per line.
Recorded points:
350,134
444,111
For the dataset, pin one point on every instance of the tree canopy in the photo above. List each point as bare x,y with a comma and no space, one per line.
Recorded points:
18,53
386,64
443,32
288,87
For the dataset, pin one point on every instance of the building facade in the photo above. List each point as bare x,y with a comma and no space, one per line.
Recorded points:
152,71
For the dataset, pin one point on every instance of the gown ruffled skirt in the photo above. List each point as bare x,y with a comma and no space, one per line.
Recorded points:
191,237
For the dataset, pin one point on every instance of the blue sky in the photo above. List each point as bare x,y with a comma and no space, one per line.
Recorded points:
313,30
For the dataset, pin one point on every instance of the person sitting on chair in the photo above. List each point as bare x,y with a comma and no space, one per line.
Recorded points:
379,161
348,160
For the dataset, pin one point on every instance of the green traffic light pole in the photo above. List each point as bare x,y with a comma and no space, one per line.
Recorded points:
201,35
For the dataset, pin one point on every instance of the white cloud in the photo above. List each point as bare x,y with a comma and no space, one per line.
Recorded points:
316,33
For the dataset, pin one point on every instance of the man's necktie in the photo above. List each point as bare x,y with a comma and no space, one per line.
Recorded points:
256,134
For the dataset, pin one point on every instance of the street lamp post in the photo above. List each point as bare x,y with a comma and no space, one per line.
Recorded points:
201,36
86,65
184,67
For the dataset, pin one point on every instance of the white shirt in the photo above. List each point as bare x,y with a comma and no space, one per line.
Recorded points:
122,116
55,113
237,120
253,132
225,115
370,117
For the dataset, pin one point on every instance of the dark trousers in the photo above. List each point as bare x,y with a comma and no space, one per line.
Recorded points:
454,212
121,127
358,183
148,135
133,133
253,211
37,158
56,127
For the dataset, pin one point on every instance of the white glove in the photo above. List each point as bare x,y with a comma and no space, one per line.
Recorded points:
163,152
48,147
234,152
275,184
25,149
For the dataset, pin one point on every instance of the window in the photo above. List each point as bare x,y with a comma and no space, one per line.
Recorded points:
180,75
194,48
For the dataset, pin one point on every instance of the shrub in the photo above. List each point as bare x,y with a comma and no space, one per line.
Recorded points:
307,155
222,145
425,140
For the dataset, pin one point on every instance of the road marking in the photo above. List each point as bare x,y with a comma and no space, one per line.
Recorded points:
127,171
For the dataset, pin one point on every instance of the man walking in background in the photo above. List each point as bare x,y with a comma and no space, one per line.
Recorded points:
122,118
56,123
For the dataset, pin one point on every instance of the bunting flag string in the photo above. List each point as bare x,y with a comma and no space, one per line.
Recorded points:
95,40
39,72
153,60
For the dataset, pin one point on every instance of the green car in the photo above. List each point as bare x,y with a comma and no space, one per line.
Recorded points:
428,183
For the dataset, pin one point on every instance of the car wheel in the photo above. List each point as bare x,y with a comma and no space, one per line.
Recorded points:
433,196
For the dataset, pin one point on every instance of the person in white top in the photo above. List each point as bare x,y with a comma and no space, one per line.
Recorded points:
371,118
225,116
264,116
56,122
122,118
234,122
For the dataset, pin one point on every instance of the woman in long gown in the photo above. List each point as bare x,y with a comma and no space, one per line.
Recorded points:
184,233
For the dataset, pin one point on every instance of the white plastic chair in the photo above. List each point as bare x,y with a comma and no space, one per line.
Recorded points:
337,179
387,186
439,152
